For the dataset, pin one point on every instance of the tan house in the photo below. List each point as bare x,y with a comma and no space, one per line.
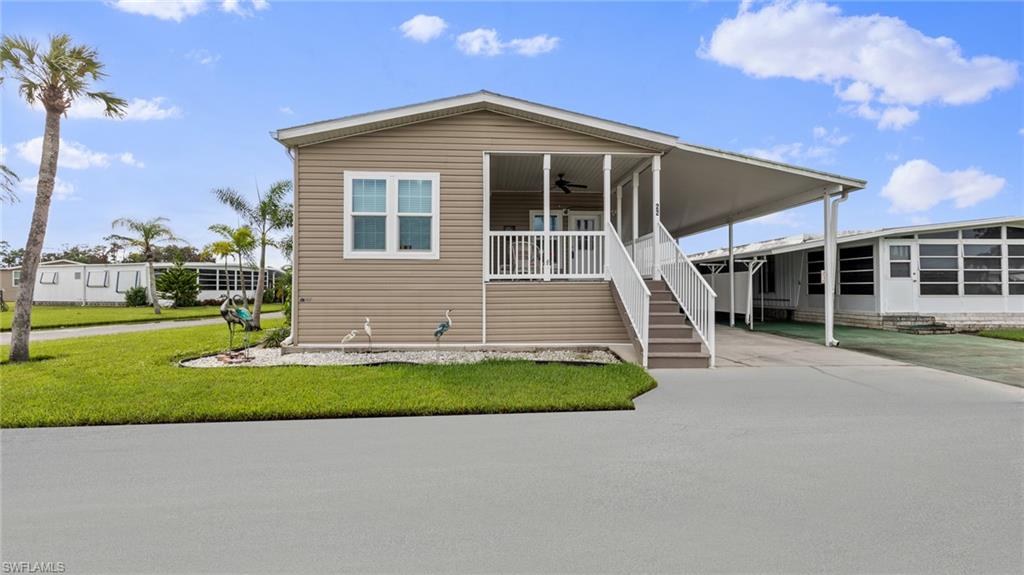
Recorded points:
537,226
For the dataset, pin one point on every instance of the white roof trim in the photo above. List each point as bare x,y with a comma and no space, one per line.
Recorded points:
482,100
825,177
810,242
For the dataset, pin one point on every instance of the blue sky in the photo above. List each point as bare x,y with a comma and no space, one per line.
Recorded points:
923,100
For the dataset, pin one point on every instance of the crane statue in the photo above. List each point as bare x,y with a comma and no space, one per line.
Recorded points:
234,313
369,331
348,337
444,326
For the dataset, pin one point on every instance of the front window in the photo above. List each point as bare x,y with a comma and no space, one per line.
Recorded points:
96,279
391,215
16,278
126,280
48,278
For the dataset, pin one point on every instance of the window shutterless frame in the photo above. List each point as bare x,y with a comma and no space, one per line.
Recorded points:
392,248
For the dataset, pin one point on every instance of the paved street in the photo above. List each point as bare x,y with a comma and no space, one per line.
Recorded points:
69,332
854,464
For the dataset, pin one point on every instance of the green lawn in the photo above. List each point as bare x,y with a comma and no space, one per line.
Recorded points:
134,378
1010,334
987,358
50,316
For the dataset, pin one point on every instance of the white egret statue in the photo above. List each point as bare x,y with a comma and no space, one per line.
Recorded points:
369,331
444,326
348,337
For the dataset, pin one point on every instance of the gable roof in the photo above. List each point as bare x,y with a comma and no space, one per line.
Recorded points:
810,241
347,126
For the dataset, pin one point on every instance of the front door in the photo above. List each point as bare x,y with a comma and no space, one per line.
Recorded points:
900,276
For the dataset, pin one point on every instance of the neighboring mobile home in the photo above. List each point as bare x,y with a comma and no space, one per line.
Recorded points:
537,226
930,278
65,282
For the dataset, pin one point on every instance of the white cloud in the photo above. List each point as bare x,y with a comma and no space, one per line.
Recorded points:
423,28
62,190
480,42
788,218
202,56
176,10
918,185
73,156
867,59
138,109
240,8
822,148
540,44
286,110
3,154
486,42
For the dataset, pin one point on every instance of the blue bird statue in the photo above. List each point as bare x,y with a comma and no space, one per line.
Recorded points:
234,313
444,326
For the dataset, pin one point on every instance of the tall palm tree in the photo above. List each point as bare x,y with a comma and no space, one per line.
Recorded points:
55,79
242,245
7,180
270,213
223,249
146,235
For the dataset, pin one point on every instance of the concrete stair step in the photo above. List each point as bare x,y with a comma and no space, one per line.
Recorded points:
677,360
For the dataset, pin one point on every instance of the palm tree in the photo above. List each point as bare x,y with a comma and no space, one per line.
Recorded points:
55,79
242,245
270,213
223,249
7,180
147,234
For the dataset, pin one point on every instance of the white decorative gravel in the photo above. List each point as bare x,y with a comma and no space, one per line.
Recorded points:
271,357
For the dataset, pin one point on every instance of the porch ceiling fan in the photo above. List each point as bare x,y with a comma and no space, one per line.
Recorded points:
566,185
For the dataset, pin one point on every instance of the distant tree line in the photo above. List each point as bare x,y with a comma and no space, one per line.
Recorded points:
112,252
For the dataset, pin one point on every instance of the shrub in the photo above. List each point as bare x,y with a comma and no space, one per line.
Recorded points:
274,337
136,297
179,284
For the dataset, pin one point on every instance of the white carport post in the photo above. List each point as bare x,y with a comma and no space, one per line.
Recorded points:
607,213
831,217
732,282
656,215
546,258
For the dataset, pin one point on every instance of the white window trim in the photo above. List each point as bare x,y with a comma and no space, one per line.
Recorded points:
16,278
391,251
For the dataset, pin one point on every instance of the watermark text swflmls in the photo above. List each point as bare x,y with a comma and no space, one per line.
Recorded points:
33,567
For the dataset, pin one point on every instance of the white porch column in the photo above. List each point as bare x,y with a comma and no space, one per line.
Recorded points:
547,217
618,211
732,281
636,212
487,217
606,214
656,213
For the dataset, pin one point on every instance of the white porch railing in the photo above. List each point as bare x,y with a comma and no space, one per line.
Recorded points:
629,284
520,255
642,252
689,288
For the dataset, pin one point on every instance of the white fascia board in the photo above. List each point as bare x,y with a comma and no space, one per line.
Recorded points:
825,177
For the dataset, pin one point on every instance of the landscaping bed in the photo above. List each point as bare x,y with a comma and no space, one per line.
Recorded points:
58,316
135,378
273,357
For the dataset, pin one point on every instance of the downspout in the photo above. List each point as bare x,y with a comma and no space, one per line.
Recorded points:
85,280
293,154
832,261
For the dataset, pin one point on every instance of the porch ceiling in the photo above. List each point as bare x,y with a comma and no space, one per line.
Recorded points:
704,188
525,172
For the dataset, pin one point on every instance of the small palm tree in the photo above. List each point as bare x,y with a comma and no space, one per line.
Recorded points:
147,234
270,213
223,249
242,245
55,79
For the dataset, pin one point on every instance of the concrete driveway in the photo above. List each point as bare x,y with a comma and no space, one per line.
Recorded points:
852,465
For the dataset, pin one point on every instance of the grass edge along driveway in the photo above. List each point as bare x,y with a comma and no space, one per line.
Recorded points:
135,379
58,316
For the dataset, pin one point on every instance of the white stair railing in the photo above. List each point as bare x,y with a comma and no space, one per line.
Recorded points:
629,284
689,288
642,252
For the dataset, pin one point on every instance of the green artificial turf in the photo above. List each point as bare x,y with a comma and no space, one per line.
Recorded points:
47,316
134,378
1010,334
987,358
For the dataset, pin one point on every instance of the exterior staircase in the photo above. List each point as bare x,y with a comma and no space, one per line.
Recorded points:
673,343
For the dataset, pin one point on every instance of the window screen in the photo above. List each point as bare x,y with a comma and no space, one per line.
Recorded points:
49,278
857,270
815,265
1016,271
940,269
899,261
96,279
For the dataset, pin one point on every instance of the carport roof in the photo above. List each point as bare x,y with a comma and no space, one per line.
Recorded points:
701,187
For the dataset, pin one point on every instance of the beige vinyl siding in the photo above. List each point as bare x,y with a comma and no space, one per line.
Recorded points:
7,285
405,299
553,312
513,208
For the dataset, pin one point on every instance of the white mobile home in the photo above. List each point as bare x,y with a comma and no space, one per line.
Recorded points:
73,283
956,276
